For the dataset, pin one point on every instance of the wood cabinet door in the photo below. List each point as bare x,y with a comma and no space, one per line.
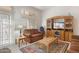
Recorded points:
62,35
49,33
68,36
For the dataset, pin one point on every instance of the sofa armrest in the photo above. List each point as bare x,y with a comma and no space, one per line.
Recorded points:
27,35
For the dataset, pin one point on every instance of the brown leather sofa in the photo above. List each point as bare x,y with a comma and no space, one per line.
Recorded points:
33,35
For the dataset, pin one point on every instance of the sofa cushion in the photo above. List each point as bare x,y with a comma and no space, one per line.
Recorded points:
34,31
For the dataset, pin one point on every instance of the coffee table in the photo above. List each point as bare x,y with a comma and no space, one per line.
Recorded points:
47,42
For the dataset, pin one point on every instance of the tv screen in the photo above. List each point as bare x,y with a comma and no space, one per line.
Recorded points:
58,25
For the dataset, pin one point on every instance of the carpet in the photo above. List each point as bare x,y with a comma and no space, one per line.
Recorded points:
55,48
59,48
5,50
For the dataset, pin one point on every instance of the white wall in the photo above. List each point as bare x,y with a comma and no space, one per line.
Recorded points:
63,11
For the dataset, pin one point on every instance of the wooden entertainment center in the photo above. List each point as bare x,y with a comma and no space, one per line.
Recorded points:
63,24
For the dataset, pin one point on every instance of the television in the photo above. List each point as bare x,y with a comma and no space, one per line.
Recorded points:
58,25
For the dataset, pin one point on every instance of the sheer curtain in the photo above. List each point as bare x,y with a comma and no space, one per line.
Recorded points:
4,29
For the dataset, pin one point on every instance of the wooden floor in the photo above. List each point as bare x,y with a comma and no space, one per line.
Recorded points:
74,48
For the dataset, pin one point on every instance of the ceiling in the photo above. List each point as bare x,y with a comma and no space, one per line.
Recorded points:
42,7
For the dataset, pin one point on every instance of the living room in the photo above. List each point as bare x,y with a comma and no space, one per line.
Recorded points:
35,23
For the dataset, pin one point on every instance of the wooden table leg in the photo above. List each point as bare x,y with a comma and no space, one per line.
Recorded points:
19,43
22,40
15,41
47,50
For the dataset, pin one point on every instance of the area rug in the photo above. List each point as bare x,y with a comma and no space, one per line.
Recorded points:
5,50
55,48
59,48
